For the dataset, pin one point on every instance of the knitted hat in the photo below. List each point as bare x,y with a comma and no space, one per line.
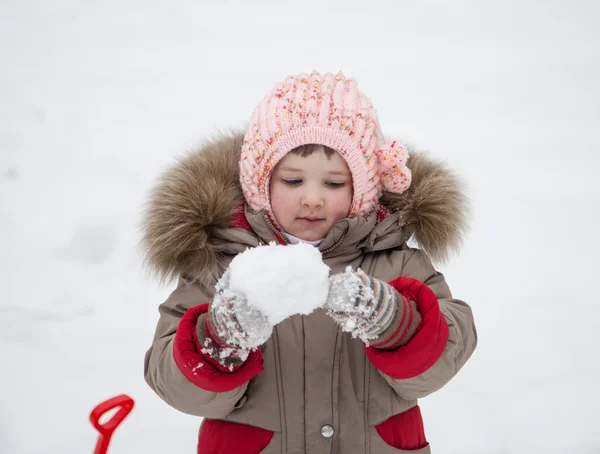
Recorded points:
324,110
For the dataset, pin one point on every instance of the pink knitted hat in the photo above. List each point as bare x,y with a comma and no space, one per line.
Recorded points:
324,110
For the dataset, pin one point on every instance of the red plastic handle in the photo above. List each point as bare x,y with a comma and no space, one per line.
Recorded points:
106,430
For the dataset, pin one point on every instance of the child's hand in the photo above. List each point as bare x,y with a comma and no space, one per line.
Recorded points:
362,305
233,321
262,287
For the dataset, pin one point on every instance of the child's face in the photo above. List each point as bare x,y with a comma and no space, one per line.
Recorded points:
308,195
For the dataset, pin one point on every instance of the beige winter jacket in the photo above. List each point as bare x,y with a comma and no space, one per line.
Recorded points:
318,391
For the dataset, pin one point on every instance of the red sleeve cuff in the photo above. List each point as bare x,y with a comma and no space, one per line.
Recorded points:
200,368
426,346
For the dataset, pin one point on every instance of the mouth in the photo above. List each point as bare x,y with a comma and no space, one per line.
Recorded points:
311,219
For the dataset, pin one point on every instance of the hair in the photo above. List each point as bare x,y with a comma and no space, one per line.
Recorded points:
306,150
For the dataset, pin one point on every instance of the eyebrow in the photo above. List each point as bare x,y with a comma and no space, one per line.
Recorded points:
291,169
331,172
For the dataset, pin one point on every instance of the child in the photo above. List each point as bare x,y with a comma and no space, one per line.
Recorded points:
313,167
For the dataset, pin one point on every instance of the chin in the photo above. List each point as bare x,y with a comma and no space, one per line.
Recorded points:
306,236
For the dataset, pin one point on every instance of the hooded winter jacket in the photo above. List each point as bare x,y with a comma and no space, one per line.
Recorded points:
311,388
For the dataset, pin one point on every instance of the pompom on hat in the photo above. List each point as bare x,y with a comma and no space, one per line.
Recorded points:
325,110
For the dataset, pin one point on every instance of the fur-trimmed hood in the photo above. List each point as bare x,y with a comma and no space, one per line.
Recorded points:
200,195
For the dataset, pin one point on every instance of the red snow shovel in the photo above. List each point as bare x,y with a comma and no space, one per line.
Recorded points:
106,430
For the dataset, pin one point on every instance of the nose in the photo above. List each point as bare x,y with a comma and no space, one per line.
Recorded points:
312,199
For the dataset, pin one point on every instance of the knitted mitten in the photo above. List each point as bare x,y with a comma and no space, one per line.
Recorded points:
232,327
371,310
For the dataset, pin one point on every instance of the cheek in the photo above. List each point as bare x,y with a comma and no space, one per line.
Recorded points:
280,201
341,203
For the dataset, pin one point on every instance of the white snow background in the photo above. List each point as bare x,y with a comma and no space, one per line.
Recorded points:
96,98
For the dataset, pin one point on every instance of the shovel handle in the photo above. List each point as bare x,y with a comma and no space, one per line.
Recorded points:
106,430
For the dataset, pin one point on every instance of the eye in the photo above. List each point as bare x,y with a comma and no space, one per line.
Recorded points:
334,185
293,182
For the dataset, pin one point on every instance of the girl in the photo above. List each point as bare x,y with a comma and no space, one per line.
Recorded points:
313,167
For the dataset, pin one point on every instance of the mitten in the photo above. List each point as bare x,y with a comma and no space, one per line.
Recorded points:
232,327
233,321
371,310
261,287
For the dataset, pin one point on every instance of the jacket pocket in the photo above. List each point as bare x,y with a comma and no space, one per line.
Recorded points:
400,433
223,437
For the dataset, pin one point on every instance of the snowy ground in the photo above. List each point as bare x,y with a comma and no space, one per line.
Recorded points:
97,97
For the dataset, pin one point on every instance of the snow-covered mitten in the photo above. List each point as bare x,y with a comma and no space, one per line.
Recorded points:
371,309
232,327
261,287
233,321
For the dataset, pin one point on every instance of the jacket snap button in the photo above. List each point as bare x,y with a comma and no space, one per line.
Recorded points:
327,431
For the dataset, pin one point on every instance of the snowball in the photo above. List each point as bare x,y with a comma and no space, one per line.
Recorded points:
281,281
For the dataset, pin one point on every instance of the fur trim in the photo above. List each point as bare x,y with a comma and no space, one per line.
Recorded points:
434,208
202,192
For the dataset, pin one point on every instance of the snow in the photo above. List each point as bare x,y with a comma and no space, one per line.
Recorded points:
263,286
97,97
274,279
